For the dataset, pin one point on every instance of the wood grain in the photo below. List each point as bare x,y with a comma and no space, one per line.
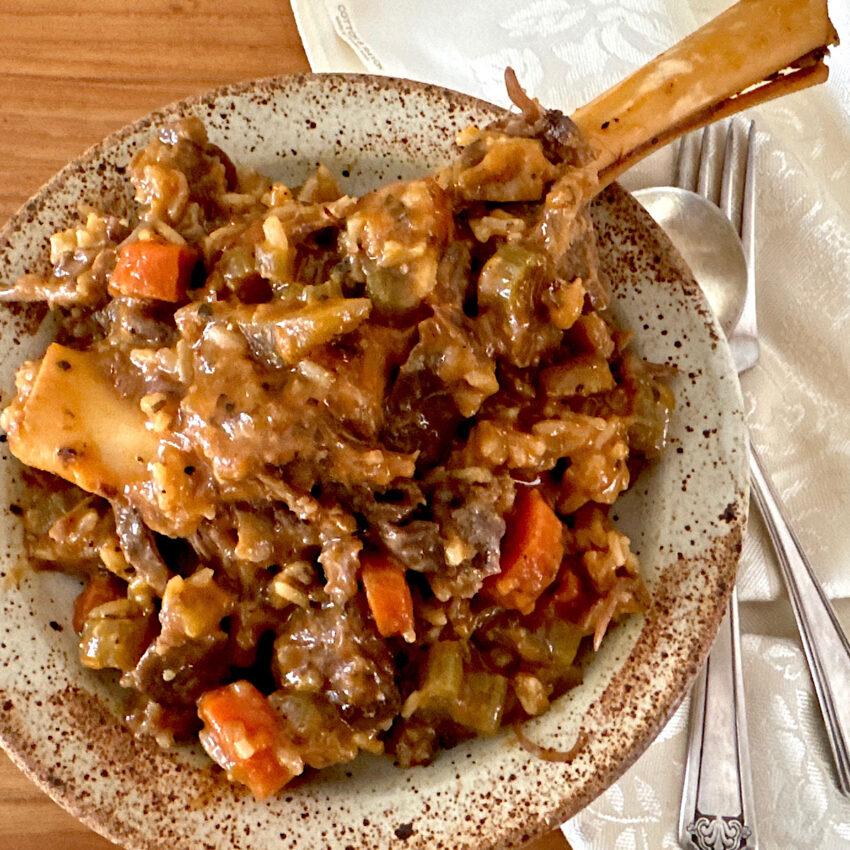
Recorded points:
70,74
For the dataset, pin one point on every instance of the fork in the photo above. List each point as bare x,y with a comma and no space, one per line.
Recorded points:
825,644
717,808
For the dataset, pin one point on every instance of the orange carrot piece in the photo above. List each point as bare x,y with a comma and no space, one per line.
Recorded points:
101,588
531,553
147,269
388,595
242,733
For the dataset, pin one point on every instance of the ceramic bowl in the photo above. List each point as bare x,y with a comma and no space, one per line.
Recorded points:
62,724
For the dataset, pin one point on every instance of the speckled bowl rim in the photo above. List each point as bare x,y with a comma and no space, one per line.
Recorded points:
502,829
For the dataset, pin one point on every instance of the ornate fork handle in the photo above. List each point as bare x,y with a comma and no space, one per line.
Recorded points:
824,642
717,805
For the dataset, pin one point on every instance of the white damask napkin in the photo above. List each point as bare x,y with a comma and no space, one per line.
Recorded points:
797,804
565,52
797,397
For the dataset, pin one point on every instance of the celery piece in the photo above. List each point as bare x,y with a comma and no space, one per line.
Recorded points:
508,279
444,673
481,702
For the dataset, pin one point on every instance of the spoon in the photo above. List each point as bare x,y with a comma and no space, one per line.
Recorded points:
709,244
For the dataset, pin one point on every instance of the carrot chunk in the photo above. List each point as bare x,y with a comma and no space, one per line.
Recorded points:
147,269
388,595
101,588
531,553
243,734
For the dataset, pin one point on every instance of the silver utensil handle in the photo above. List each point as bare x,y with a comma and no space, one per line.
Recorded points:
824,642
717,799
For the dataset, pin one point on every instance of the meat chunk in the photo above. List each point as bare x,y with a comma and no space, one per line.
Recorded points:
334,652
190,653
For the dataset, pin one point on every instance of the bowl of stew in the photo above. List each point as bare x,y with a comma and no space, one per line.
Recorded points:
365,489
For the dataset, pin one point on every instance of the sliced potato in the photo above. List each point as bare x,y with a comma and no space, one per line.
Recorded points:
75,425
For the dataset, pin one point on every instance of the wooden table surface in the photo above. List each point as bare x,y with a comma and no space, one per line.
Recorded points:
70,73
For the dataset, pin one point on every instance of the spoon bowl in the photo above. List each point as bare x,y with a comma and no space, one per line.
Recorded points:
708,243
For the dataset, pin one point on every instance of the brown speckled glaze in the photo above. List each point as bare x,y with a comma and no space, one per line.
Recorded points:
62,724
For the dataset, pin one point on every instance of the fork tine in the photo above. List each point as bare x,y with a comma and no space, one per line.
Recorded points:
696,167
737,200
737,195
686,164
748,218
709,177
731,188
